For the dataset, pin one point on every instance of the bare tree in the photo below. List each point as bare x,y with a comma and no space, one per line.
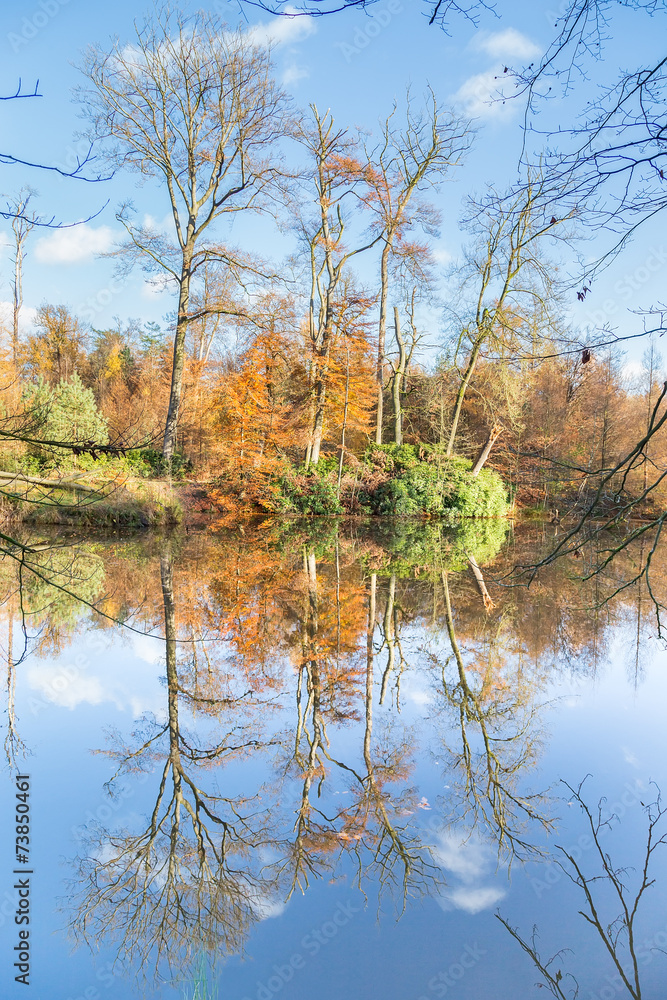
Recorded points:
23,221
411,158
510,279
437,11
191,103
335,174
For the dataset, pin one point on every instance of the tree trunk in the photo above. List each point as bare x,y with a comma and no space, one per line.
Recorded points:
345,410
318,423
460,395
178,362
382,328
494,434
18,298
397,382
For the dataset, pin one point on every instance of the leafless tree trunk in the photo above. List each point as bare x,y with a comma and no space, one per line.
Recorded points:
22,225
494,434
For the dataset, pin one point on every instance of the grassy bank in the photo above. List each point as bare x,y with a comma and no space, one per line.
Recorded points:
95,501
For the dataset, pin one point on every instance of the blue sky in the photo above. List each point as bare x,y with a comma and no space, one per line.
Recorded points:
356,64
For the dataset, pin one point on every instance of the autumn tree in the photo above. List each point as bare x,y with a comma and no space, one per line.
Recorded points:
192,104
333,177
412,157
57,349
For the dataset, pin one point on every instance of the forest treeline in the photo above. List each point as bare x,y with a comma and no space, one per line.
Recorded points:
244,418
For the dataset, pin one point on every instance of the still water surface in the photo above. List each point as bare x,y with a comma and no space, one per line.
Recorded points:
321,761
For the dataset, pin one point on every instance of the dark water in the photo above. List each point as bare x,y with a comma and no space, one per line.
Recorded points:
316,760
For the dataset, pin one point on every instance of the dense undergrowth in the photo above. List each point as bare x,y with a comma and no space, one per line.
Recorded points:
389,481
410,480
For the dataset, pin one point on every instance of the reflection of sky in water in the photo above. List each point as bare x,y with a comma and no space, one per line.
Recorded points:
327,942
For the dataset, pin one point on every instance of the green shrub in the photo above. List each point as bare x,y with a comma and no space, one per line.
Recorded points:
436,486
314,492
149,463
66,412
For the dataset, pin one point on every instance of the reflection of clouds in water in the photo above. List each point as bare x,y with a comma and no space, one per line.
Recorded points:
466,857
416,688
629,757
265,907
148,647
472,862
470,900
104,678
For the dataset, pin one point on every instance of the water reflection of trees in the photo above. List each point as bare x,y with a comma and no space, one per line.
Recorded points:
609,889
496,743
191,878
278,646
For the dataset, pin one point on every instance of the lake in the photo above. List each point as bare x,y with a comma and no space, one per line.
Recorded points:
342,760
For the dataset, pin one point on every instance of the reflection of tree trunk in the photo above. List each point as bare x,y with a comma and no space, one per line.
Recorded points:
167,578
388,624
312,764
13,743
369,672
638,630
479,580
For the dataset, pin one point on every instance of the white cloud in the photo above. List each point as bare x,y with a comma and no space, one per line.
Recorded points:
468,859
128,688
293,73
483,96
267,907
27,316
629,757
471,900
164,225
283,30
75,244
149,648
153,289
507,44
486,94
442,256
